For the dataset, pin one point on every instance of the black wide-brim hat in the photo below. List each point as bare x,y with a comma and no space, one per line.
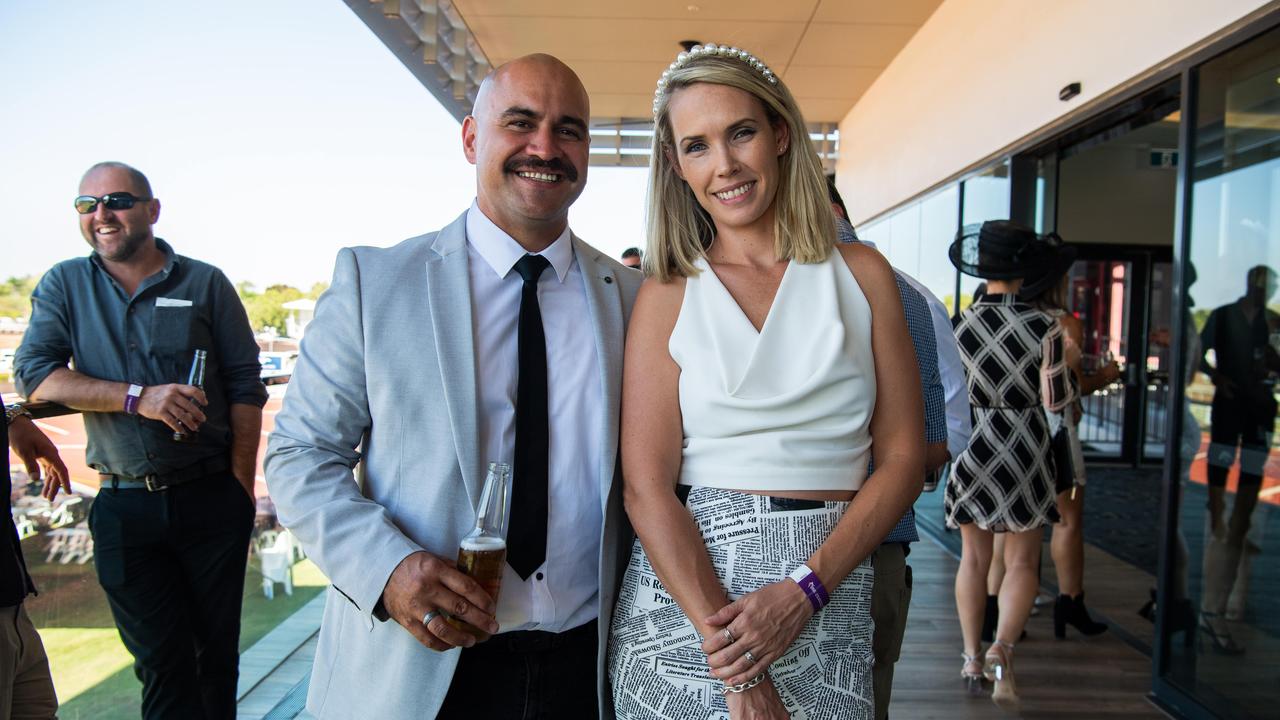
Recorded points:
1058,260
998,250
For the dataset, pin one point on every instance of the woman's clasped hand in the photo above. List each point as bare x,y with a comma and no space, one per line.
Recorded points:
762,625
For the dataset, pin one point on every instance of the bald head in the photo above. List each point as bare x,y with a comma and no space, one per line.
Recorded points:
140,185
538,67
529,138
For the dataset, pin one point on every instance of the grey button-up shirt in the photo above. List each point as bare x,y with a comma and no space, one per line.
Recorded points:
80,314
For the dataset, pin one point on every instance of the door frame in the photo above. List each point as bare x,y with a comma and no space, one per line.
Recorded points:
1141,258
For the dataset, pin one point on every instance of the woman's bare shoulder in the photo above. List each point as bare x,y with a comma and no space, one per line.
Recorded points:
869,268
658,303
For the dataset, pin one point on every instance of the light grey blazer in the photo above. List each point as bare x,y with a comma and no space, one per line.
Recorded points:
388,366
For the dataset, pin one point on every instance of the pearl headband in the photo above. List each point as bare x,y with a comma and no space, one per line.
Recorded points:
709,50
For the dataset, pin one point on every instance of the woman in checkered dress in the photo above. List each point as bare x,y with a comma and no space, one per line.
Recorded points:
1004,481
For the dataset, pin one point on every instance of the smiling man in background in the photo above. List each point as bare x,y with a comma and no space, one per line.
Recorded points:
171,522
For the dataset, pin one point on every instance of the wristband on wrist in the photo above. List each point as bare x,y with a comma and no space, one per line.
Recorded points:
812,586
131,399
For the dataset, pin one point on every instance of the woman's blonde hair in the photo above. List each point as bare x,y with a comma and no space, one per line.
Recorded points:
680,231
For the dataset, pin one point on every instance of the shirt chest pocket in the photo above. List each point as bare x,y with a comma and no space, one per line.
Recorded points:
173,329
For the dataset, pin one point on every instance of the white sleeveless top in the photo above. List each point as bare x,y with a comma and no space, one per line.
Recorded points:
789,407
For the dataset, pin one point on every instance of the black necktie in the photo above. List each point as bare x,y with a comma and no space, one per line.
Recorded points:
527,538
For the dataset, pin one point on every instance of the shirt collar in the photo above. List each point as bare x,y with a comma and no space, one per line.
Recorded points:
501,252
170,257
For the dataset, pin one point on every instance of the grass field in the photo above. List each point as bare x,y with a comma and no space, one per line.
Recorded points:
92,671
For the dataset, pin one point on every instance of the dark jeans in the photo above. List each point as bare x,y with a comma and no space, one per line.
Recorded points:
526,675
172,564
1244,422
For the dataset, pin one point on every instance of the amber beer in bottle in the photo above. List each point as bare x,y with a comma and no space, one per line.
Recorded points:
482,554
196,378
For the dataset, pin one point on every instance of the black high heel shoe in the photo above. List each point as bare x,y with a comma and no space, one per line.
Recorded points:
1071,611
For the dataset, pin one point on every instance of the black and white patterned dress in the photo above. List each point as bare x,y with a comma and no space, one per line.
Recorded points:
1016,367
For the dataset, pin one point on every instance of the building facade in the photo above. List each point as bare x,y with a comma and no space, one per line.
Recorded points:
1147,134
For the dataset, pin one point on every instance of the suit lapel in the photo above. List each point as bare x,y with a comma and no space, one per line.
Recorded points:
604,308
449,305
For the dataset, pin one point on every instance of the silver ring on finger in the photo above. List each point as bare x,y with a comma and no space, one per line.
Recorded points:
426,619
750,658
728,635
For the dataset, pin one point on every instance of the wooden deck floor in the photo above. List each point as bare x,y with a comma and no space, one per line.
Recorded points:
1098,678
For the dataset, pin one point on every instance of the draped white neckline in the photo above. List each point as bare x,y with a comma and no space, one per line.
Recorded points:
759,364
743,313
787,405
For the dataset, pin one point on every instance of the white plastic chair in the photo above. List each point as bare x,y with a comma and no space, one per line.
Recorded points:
277,565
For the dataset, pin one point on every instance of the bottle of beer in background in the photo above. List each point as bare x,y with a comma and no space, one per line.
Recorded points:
482,554
196,378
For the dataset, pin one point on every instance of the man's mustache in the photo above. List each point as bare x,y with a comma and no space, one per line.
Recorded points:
555,165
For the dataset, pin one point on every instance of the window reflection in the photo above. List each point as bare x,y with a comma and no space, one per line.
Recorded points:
1231,476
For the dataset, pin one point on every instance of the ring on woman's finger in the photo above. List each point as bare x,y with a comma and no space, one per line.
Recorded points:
728,635
426,619
750,658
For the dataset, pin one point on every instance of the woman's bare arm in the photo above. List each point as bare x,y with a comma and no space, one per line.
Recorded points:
897,427
652,438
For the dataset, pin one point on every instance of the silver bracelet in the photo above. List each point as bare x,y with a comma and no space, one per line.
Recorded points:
742,687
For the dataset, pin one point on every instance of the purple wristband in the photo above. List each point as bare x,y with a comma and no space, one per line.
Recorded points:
812,586
132,398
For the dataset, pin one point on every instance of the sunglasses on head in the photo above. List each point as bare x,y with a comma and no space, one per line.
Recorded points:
86,204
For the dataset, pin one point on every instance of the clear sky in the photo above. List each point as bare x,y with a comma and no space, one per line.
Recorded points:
273,133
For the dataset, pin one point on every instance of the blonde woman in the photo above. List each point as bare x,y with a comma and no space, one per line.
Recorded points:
762,364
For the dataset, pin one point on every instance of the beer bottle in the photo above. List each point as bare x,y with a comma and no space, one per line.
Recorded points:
482,554
196,378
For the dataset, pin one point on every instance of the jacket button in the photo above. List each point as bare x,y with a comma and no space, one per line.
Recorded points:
608,280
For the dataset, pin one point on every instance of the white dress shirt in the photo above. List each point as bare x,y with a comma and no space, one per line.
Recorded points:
950,367
562,593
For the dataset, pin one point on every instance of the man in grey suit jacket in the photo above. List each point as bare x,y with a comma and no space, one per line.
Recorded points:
424,362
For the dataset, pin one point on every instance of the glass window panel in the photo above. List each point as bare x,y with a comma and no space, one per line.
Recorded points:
939,219
904,254
92,671
986,197
1230,474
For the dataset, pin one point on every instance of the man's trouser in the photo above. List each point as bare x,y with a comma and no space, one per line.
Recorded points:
890,598
172,564
527,674
26,688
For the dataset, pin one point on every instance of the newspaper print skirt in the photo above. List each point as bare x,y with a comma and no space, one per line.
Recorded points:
656,665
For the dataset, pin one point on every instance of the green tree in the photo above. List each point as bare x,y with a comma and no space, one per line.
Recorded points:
15,296
266,309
